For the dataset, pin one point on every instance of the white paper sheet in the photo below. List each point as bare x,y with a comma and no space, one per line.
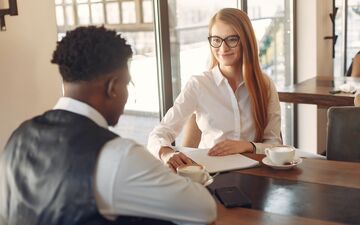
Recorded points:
215,164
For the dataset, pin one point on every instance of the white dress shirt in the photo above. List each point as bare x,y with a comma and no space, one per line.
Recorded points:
130,181
220,112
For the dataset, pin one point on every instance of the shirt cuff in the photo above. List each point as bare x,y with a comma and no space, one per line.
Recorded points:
154,146
260,147
254,147
169,146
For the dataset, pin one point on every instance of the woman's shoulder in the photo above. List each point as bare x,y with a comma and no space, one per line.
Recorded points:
201,78
203,75
269,82
266,78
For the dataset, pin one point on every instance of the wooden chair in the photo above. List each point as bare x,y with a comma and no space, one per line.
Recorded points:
354,69
343,134
191,133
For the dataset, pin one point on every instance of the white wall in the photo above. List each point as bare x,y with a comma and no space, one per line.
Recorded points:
313,59
29,83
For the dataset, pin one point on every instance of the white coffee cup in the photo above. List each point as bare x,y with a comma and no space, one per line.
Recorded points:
280,155
196,173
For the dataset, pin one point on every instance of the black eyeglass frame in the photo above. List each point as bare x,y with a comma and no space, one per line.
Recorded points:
224,40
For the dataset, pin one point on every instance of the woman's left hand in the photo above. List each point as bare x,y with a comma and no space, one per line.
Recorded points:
229,147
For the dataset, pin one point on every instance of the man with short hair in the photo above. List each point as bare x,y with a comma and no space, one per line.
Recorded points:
65,167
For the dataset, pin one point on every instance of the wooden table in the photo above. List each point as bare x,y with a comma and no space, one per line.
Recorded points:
316,192
316,91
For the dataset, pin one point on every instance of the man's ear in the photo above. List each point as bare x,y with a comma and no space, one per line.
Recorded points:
111,91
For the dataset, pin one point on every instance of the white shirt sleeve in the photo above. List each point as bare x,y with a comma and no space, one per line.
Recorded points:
272,130
172,123
130,181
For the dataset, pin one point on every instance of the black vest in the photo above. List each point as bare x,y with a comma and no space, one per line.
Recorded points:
51,161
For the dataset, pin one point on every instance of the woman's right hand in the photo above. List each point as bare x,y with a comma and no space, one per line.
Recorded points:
174,159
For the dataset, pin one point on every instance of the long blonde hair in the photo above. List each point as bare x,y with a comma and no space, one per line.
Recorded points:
255,81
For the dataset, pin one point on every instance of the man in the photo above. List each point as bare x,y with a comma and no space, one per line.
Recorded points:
65,167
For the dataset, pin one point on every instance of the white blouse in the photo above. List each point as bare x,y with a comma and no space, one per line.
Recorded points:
220,112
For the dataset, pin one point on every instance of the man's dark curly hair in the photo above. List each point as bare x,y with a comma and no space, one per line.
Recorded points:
89,52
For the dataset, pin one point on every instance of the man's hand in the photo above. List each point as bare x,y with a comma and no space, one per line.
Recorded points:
173,159
229,147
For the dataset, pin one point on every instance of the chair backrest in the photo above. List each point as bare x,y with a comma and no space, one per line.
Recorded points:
355,66
343,134
191,133
349,70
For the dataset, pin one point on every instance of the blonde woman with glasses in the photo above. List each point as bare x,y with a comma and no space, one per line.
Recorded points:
236,105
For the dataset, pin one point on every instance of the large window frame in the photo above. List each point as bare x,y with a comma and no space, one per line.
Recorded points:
342,54
139,23
160,23
290,110
164,63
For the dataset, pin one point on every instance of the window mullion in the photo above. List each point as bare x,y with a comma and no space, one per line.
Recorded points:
244,5
138,8
344,43
105,12
162,37
90,12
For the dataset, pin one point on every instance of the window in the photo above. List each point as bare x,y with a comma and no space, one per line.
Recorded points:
348,42
188,21
124,15
189,31
134,20
272,22
188,47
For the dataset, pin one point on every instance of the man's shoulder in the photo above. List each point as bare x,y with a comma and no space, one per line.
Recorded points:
125,151
125,142
124,146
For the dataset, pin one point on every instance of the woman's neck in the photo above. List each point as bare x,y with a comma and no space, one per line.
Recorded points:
233,74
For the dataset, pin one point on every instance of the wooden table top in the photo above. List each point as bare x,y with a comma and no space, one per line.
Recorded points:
243,216
316,91
315,192
344,174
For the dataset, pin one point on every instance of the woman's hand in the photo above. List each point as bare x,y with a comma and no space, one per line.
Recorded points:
229,147
174,159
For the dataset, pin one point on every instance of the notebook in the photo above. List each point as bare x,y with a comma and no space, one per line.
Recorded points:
215,164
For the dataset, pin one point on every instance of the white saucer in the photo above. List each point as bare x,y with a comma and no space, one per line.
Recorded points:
267,162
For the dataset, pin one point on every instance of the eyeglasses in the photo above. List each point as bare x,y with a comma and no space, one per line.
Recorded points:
231,41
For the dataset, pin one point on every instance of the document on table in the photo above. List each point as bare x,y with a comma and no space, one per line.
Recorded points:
215,164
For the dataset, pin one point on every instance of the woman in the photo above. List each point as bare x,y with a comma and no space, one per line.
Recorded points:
236,105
